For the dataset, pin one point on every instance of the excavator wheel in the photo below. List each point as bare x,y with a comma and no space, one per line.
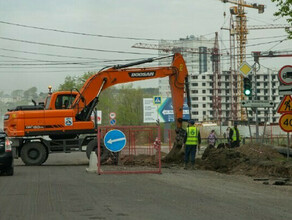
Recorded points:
33,154
92,146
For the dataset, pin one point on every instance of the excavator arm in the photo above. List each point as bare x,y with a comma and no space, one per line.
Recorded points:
87,99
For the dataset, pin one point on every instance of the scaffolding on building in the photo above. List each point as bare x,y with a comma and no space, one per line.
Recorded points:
216,101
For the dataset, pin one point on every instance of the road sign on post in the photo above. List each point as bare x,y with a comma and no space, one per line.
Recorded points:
285,75
112,115
157,100
285,105
285,122
113,121
285,90
115,140
166,111
257,104
245,69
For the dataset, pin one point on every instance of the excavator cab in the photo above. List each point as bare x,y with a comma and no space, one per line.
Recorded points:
60,100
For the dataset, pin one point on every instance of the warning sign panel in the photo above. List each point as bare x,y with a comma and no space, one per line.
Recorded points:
286,105
285,122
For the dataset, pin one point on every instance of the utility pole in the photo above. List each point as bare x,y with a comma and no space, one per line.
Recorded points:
256,61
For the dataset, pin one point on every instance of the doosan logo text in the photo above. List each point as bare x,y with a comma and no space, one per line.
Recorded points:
142,74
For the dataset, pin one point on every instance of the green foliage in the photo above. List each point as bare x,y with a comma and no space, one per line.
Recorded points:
31,93
17,93
285,10
130,106
74,82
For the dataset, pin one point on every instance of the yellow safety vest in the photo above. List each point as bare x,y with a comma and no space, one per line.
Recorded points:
192,136
234,135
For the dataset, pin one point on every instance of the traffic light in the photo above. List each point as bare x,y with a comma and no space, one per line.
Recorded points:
247,86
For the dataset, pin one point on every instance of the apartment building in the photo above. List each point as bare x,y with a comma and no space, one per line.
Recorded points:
201,86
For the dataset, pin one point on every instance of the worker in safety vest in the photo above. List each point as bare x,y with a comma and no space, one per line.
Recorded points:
192,140
234,136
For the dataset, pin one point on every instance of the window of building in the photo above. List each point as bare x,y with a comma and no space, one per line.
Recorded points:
203,84
204,98
211,77
203,91
195,98
195,106
195,84
203,77
194,77
204,112
265,77
204,105
195,113
195,91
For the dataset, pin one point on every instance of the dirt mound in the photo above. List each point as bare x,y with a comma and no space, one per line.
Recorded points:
140,160
252,160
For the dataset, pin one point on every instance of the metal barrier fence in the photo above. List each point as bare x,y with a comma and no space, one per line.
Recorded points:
142,153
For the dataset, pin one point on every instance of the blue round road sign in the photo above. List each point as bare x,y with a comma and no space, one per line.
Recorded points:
115,140
113,121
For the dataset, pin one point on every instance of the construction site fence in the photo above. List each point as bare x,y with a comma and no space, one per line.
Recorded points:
142,153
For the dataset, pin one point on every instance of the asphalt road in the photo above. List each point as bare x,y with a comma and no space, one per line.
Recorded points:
61,189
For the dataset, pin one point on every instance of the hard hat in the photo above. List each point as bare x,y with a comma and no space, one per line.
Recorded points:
191,121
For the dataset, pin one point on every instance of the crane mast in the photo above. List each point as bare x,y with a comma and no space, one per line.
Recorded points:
240,31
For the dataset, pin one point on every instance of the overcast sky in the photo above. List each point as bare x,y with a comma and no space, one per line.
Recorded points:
27,65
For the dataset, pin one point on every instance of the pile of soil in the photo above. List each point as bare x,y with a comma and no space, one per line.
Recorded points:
140,160
252,160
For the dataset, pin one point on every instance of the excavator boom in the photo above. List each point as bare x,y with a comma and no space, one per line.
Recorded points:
177,72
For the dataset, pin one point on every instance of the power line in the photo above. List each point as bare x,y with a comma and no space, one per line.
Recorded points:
72,47
78,33
257,44
89,34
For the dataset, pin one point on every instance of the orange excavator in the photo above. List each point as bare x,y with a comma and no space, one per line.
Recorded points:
57,124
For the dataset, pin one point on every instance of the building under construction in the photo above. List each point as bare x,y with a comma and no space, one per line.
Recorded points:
215,94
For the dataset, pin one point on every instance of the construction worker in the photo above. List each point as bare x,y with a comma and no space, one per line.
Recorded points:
234,136
192,140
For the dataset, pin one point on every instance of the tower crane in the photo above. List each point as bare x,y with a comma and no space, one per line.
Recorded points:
240,31
269,26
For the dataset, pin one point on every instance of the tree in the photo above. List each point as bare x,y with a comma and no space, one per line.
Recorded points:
17,94
285,10
74,82
130,106
31,93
